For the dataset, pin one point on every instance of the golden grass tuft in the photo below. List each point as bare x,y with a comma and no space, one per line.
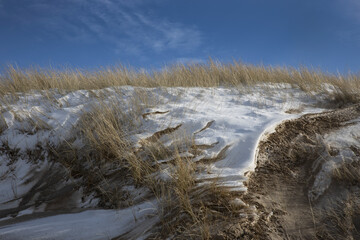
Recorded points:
348,173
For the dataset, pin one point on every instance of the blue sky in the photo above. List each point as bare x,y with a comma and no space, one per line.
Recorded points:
151,33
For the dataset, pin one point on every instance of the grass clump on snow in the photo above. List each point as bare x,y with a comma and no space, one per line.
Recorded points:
107,162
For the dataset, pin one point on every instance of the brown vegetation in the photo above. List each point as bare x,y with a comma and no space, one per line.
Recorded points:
344,88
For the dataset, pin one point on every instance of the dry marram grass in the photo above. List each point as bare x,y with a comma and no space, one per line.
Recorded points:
345,88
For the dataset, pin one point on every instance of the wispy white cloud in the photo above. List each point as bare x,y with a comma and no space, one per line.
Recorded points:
350,8
187,60
120,23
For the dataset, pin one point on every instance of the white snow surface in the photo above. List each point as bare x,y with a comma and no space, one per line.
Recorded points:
239,118
90,224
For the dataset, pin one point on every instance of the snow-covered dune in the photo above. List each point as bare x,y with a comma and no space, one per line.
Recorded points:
223,118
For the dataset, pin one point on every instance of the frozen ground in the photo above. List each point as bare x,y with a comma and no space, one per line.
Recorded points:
235,121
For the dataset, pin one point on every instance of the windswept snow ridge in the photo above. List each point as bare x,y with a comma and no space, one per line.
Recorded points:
237,120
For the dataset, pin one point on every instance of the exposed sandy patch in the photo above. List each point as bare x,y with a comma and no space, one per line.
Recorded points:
279,190
285,172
